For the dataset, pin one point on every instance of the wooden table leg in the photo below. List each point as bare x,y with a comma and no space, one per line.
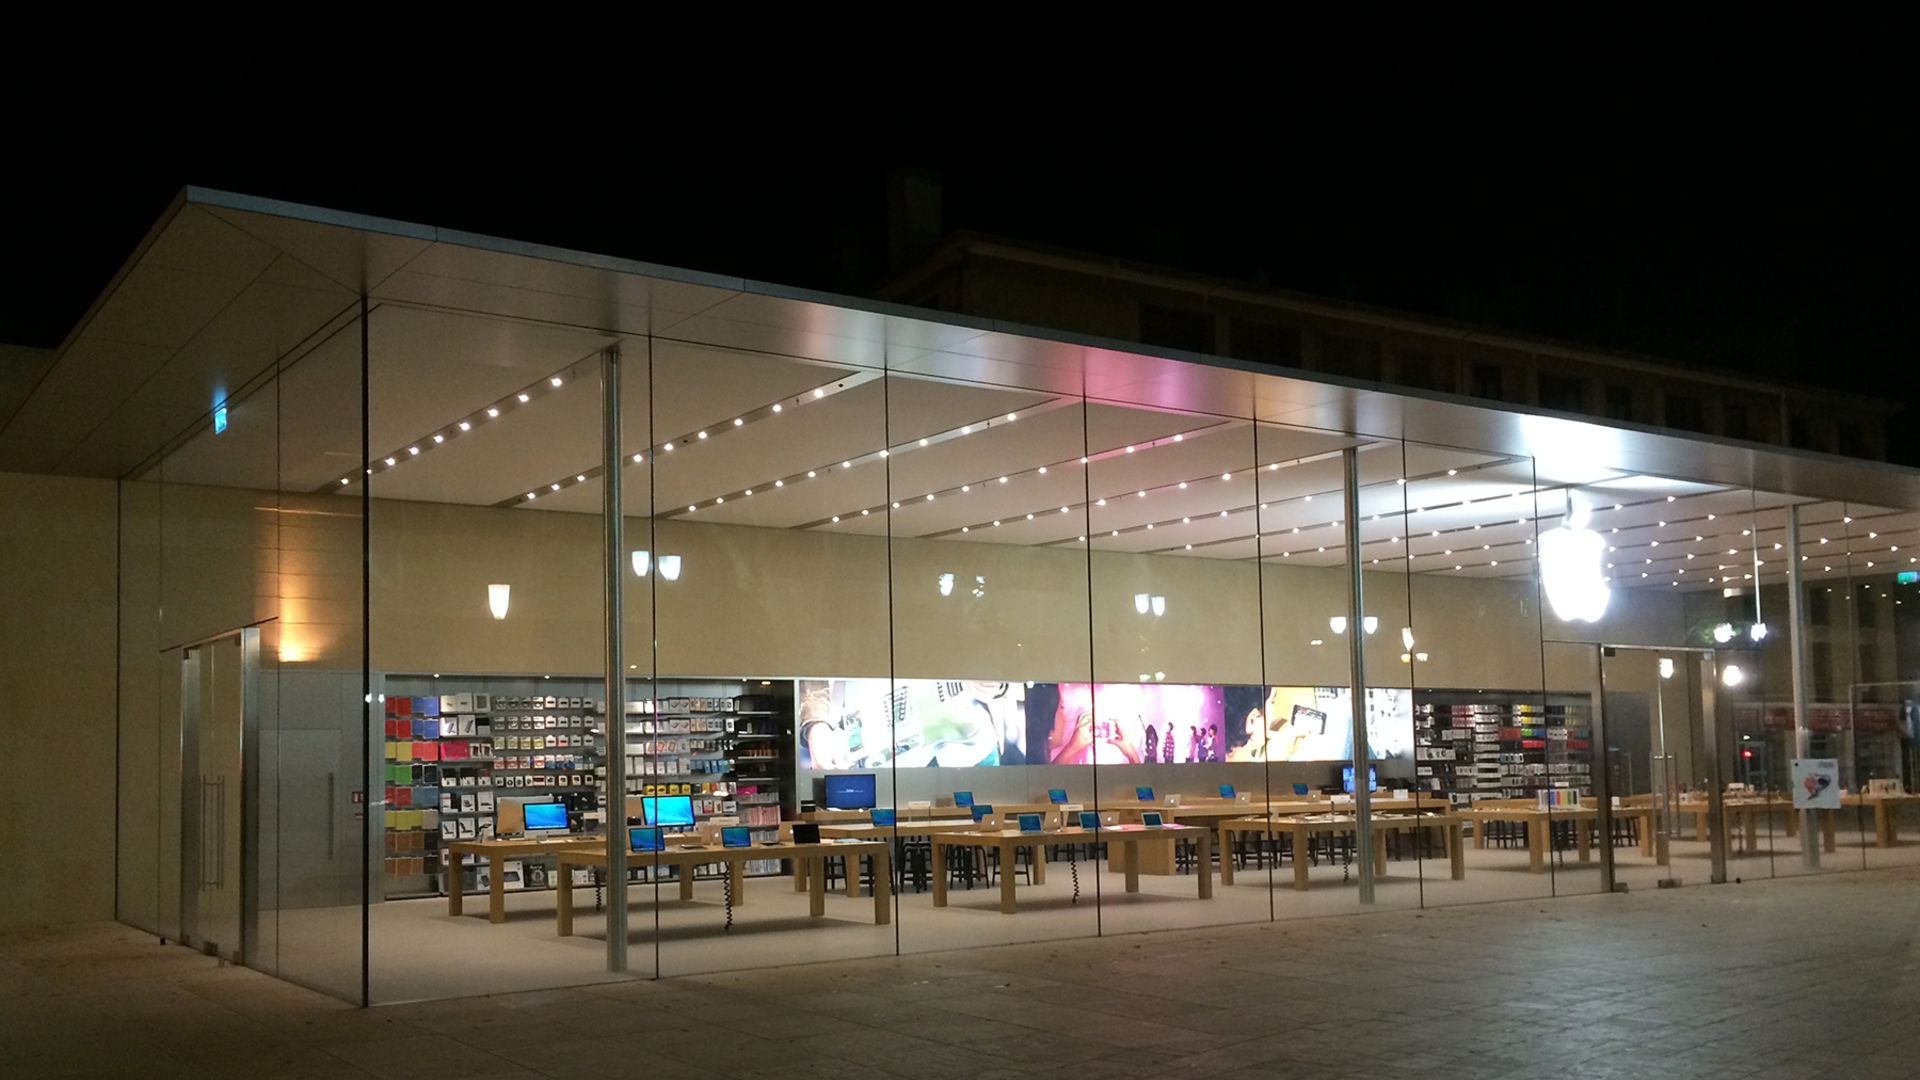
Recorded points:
454,888
1646,835
1456,851
1006,878
1379,852
496,890
1132,849
686,881
1793,822
1039,864
1582,840
1479,834
939,873
1826,830
800,874
563,900
1302,839
1536,847
817,886
1205,840
1226,854
737,872
1883,827
882,888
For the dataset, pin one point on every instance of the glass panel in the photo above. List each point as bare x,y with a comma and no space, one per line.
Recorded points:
487,645
1476,661
770,571
1176,603
987,508
314,745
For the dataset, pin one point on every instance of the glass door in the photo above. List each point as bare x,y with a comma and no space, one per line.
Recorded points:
212,703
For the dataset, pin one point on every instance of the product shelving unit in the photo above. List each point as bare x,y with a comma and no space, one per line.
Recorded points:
1482,744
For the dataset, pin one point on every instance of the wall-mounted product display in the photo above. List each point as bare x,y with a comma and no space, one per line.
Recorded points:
916,723
1502,745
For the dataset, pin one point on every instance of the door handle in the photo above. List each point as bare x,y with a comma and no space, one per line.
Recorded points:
332,823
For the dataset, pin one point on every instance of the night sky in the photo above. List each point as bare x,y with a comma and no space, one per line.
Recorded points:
1747,205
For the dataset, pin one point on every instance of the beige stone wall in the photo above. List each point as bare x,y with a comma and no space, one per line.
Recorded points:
57,688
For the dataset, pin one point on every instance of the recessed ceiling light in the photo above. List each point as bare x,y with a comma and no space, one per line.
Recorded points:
638,458
389,461
810,474
1009,416
524,399
776,407
1177,438
439,438
582,479
819,393
556,487
836,517
413,450
737,421
923,442
1003,479
344,480
783,483
464,426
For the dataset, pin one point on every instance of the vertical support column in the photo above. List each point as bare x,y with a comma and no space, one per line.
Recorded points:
1357,652
1802,737
1708,667
1601,766
613,809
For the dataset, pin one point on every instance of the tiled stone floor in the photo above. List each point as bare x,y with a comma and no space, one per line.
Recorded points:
1783,979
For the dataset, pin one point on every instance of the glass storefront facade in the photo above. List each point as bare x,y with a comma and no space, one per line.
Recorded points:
1051,641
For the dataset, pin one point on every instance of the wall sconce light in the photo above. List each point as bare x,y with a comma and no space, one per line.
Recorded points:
946,584
642,562
1338,624
1145,602
1159,606
1723,633
1758,631
670,567
497,600
1370,623
1406,637
1733,676
1666,667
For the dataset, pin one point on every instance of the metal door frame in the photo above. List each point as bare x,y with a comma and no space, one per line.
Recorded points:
192,841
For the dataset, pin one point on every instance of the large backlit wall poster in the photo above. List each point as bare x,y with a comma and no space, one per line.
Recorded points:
1314,723
1132,723
844,723
921,723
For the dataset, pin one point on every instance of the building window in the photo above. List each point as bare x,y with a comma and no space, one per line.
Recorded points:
1264,342
1853,440
1427,371
1174,328
1349,357
1620,403
1800,433
1562,393
1733,421
1686,413
1488,381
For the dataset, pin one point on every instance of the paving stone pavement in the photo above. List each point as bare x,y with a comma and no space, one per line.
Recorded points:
1770,981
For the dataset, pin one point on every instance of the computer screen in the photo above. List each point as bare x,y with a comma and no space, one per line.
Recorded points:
882,817
854,792
1300,789
1029,822
982,811
1057,795
668,810
1226,791
1346,779
642,838
735,836
1151,819
1089,819
806,832
963,798
1144,794
545,815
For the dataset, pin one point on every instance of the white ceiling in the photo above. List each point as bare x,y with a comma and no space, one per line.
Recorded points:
801,432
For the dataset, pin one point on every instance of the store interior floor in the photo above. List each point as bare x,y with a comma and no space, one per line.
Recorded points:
1790,979
422,953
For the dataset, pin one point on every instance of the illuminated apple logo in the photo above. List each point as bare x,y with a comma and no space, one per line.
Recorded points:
1571,558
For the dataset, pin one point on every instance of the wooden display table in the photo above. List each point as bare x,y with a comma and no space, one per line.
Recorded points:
1886,816
496,852
1128,838
1303,827
735,859
1536,820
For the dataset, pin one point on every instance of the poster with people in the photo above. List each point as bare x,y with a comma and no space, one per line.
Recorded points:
929,723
